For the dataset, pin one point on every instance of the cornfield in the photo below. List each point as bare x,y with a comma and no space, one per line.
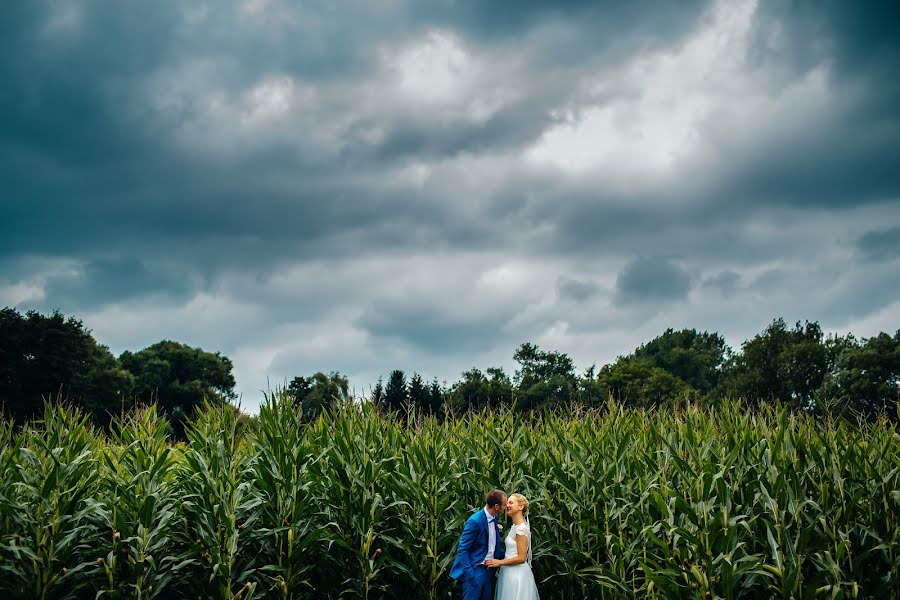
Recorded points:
625,503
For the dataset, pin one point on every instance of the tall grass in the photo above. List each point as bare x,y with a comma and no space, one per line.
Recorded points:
626,503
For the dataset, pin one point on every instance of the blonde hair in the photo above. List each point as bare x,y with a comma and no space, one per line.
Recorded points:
521,500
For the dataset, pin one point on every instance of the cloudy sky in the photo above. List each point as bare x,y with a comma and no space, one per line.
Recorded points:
424,185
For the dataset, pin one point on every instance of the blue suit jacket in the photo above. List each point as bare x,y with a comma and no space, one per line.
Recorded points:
473,545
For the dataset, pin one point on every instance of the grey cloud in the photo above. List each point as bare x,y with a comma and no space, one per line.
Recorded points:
156,198
846,164
652,280
430,328
115,280
848,159
725,281
860,37
575,289
880,244
859,295
772,279
607,21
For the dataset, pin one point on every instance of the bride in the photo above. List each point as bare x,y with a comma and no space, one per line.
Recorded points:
515,580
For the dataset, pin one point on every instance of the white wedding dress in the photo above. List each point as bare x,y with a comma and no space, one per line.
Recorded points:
516,582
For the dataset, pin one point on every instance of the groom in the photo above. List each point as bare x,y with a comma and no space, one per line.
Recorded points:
480,540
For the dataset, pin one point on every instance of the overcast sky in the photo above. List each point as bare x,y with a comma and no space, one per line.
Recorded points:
426,184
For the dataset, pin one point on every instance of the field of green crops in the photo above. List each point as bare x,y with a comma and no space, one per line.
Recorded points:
694,503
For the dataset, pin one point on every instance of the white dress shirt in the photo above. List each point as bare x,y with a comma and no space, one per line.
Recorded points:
492,534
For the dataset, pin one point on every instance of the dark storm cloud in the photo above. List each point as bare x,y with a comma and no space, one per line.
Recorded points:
140,169
87,168
880,244
115,280
575,289
511,127
653,279
860,37
849,162
431,329
78,156
605,20
726,282
847,159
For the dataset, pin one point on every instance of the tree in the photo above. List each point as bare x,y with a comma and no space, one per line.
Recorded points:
780,363
436,399
319,392
634,381
378,393
178,378
418,394
478,390
49,356
544,378
536,365
867,375
395,394
697,358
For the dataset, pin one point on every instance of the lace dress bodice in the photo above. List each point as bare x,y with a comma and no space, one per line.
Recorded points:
516,582
512,549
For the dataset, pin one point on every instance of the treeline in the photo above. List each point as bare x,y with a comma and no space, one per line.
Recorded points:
798,366
55,356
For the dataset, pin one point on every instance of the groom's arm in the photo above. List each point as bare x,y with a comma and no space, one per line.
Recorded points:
469,535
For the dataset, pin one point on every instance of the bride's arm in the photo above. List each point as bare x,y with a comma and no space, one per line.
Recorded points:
522,550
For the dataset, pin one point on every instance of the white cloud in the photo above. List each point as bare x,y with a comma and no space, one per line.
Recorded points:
654,114
21,293
437,69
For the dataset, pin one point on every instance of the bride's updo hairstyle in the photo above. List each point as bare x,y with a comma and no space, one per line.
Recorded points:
521,500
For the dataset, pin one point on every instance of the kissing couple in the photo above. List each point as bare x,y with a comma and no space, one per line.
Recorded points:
480,552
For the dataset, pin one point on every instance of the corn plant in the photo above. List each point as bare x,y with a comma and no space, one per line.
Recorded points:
288,525
141,509
219,504
425,476
356,475
689,502
56,516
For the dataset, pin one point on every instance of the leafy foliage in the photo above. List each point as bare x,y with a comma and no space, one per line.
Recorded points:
396,394
637,382
782,363
179,378
48,356
720,502
477,390
318,392
697,358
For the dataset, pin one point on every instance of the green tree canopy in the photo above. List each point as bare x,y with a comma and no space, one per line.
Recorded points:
782,363
418,394
395,392
319,392
378,393
45,356
697,358
544,378
178,377
436,396
636,381
477,390
867,374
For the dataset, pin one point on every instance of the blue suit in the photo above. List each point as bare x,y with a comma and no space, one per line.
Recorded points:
477,580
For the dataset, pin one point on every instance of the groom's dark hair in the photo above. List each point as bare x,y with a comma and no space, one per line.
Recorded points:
494,498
